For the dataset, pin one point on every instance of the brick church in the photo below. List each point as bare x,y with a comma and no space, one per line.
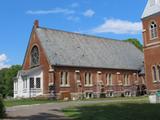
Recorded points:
68,65
151,37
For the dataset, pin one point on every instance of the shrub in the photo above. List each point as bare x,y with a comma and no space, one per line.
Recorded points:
2,108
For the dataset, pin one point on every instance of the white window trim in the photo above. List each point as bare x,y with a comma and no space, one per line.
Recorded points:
63,79
35,84
86,82
158,73
108,79
153,76
127,80
150,31
25,82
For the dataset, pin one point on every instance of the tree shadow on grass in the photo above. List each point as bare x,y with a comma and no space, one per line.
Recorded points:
40,116
119,111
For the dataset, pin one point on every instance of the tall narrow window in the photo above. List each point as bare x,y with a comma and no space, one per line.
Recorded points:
34,56
31,82
38,83
153,30
158,68
154,73
64,79
109,79
126,80
88,79
24,82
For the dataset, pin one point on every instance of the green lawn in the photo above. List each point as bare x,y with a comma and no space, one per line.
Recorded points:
16,102
130,110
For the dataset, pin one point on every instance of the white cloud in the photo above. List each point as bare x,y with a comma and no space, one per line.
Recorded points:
74,5
89,13
118,26
51,11
3,60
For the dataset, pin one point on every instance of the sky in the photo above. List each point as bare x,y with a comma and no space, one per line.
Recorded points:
116,19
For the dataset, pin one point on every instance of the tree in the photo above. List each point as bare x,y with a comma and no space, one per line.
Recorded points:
135,42
2,108
6,80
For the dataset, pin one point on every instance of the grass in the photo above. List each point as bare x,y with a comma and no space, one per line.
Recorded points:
17,102
118,98
131,110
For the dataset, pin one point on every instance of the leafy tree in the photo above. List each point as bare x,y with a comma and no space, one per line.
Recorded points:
135,42
2,108
6,80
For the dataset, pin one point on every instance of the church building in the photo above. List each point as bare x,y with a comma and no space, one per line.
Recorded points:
151,38
68,65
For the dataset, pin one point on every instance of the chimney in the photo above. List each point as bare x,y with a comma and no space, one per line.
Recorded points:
36,23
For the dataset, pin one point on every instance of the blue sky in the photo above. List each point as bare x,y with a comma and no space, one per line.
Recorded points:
117,19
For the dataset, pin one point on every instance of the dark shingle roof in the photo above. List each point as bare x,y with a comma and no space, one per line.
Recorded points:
73,49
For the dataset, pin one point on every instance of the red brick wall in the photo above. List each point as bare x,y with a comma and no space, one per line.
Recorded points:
43,60
73,87
151,51
146,34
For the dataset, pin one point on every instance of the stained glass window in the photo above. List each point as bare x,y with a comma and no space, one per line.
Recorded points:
34,56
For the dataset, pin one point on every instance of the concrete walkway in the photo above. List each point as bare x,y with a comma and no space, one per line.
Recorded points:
50,111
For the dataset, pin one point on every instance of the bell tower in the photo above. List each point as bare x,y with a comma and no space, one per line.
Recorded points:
151,40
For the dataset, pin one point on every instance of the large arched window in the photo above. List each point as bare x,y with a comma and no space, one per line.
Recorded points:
153,30
34,56
154,73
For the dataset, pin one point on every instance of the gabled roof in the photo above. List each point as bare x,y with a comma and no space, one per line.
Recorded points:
152,7
79,50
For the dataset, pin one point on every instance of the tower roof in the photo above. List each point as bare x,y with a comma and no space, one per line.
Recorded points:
152,7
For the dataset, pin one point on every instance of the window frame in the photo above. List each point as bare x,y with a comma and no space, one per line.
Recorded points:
31,57
154,73
126,80
88,82
109,78
153,32
158,72
38,78
25,84
64,79
33,85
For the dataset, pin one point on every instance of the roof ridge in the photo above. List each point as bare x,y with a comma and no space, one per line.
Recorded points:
87,35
